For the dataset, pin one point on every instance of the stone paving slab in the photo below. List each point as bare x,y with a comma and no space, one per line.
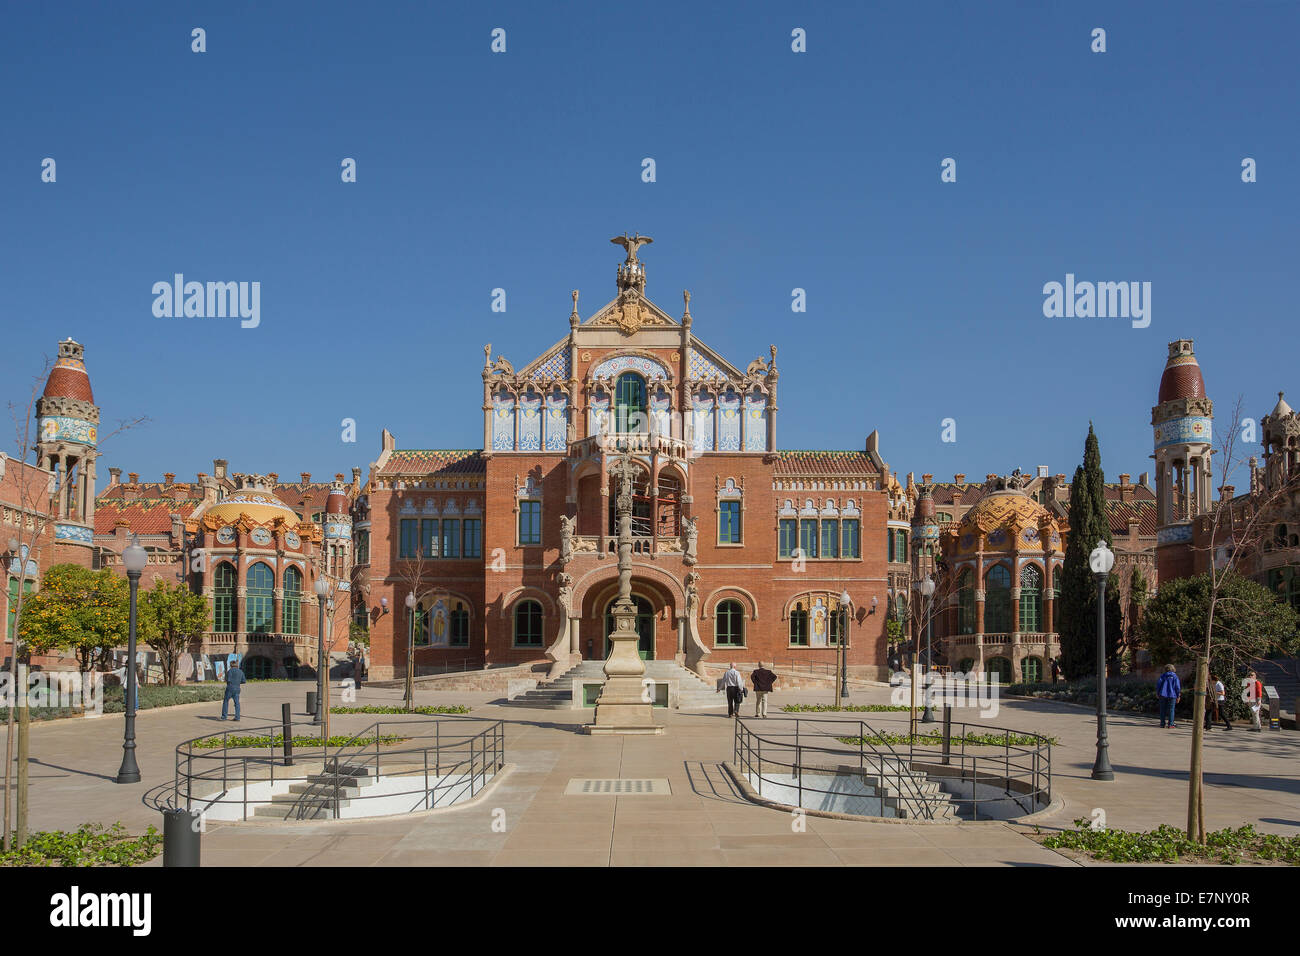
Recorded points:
704,822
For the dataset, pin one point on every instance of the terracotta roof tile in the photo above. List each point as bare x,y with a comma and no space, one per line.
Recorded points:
146,515
824,463
432,461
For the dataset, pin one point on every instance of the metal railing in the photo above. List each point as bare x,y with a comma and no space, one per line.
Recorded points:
442,764
817,746
1019,766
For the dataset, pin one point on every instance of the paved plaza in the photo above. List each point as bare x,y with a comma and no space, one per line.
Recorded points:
1250,777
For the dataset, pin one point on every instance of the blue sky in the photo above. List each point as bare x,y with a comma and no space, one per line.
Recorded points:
775,170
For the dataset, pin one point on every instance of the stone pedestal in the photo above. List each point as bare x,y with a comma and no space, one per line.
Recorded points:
625,703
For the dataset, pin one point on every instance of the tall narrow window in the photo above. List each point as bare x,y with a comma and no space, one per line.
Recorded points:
830,538
528,624
473,538
429,537
259,592
451,537
1031,598
799,626
223,598
459,633
729,625
889,546
421,626
410,529
997,600
789,537
966,602
530,522
630,404
850,532
363,547
292,615
728,522
808,537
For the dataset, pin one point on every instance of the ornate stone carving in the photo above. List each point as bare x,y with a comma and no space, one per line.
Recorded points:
691,533
567,526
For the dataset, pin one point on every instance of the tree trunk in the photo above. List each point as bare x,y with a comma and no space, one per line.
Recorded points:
24,749
1195,793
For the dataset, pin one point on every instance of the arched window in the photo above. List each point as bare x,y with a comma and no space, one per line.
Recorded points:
998,669
1031,598
223,598
259,594
799,626
966,602
292,615
630,404
729,625
528,624
997,600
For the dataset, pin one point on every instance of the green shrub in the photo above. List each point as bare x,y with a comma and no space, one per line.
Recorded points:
430,709
89,845
854,708
233,741
1167,844
934,738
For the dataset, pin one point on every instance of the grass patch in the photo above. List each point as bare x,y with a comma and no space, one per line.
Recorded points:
91,844
934,738
428,709
1166,844
852,708
265,741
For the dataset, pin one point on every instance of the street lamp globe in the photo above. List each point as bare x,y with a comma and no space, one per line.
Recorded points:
927,586
845,599
321,587
1102,559
134,557
13,545
410,600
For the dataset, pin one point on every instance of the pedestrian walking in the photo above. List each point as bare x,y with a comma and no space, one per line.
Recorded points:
1170,690
234,678
1211,716
1220,702
734,684
1056,669
1255,695
763,681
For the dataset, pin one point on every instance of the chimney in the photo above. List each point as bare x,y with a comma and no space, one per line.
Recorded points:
927,479
338,476
1125,488
1144,480
1133,523
305,476
133,477
956,497
219,468
178,531
1227,492
115,476
274,477
169,477
959,478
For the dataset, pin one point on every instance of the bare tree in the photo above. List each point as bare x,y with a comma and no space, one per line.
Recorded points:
1237,530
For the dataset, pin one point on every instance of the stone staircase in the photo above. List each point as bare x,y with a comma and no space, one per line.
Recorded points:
902,789
693,692
314,798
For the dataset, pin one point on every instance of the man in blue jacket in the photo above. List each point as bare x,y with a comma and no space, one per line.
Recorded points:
234,678
1169,690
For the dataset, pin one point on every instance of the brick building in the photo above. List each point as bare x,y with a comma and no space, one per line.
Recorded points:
740,549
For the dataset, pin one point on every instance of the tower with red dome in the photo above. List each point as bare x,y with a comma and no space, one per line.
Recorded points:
1183,421
67,420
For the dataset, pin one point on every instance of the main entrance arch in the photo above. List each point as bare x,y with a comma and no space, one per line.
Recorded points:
645,626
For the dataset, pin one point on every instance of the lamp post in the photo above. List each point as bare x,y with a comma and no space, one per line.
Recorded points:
926,587
134,558
844,644
410,651
1101,561
322,588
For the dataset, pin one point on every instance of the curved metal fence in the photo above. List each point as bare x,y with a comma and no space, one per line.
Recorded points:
955,765
410,764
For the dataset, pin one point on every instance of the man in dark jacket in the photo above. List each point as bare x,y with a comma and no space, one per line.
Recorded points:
234,679
763,680
1169,689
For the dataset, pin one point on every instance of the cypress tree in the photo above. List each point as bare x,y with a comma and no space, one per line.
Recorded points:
1077,619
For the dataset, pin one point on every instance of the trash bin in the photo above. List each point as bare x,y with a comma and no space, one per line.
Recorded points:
311,703
182,830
